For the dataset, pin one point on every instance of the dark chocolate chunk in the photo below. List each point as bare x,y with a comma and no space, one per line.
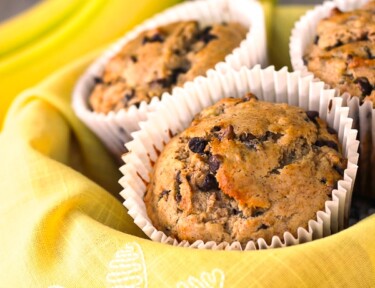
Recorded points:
316,40
227,133
364,85
206,36
249,140
164,194
154,38
323,180
271,136
216,129
368,52
339,170
257,212
214,162
178,196
263,226
312,115
330,144
163,82
134,58
129,95
221,132
245,137
175,73
209,183
98,80
197,144
337,44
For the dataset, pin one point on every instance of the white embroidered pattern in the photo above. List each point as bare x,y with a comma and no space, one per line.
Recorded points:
128,268
215,279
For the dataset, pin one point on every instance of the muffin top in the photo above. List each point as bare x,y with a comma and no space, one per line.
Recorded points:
244,170
343,52
160,59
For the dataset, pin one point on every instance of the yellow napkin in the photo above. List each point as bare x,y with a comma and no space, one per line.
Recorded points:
61,225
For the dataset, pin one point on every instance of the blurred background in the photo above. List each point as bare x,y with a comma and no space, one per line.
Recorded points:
9,8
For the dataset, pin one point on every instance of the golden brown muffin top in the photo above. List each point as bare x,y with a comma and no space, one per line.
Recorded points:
244,170
160,59
343,53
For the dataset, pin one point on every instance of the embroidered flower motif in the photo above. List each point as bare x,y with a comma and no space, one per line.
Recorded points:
127,268
215,279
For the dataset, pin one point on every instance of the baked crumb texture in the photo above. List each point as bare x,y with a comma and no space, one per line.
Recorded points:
343,52
244,170
160,59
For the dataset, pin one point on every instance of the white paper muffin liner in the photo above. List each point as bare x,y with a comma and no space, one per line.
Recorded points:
363,115
114,128
176,113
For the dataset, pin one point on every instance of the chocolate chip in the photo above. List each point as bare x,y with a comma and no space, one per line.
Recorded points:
330,144
271,136
175,73
288,158
154,38
364,85
134,58
263,226
249,140
316,40
339,170
275,171
323,180
214,162
223,133
244,137
363,37
337,44
369,53
129,95
163,82
331,131
164,194
312,115
205,35
228,133
257,212
209,183
234,211
178,196
197,144
215,129
98,80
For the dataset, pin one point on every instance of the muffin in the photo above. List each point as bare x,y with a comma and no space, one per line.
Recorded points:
343,52
160,59
244,170
339,48
203,169
163,54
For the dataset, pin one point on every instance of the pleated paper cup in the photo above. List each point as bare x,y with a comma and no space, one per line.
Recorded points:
363,115
114,128
176,113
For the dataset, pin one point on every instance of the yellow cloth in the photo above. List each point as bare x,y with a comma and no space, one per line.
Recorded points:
58,228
